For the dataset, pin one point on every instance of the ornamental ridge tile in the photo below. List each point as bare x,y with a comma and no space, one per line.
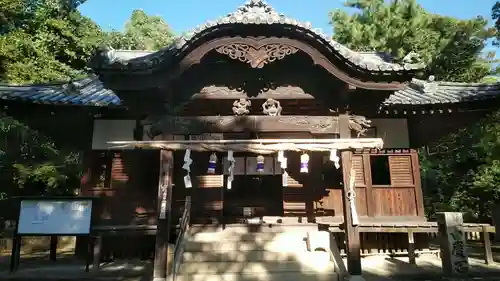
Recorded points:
254,12
440,92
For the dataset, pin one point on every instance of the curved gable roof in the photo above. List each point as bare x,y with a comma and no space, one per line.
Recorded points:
254,12
92,92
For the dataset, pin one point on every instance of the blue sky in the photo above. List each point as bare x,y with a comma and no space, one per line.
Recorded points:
183,15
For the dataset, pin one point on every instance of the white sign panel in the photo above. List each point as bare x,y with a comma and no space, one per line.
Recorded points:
70,217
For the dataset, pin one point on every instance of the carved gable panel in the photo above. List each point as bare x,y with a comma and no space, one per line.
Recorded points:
257,56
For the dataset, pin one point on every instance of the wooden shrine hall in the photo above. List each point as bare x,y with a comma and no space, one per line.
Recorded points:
241,94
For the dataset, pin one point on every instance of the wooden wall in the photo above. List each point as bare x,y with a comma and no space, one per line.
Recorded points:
126,183
400,195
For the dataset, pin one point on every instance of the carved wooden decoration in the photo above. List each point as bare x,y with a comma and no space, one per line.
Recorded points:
279,92
257,57
205,124
241,107
271,107
359,124
218,124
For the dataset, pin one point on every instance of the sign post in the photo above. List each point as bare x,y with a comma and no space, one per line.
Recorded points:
453,243
51,216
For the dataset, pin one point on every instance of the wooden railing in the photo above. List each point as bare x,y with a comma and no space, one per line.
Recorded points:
479,233
179,242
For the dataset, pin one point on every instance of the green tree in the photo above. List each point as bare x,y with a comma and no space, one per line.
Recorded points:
451,48
495,15
142,32
464,173
53,44
31,164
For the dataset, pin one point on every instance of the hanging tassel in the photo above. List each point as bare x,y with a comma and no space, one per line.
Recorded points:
260,163
284,179
304,163
281,155
187,167
282,159
351,196
212,163
232,164
335,158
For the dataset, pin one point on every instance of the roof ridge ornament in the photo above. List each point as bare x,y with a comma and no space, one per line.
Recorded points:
429,86
253,4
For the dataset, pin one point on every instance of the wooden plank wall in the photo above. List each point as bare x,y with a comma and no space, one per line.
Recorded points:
207,191
331,187
402,196
126,183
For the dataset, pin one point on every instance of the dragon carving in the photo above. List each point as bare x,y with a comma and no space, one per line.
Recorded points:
359,124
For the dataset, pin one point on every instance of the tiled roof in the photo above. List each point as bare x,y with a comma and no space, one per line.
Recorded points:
420,92
91,92
254,12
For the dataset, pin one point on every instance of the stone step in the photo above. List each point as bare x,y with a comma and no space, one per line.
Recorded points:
228,236
278,276
249,256
243,228
212,268
285,245
238,256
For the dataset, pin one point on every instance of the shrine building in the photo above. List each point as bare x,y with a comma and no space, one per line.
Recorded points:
244,94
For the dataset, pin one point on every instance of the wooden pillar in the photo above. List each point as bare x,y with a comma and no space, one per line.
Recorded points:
96,255
453,243
53,248
370,204
411,247
351,231
164,206
488,254
496,221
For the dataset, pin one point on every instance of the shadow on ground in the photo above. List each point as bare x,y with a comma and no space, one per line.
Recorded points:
67,267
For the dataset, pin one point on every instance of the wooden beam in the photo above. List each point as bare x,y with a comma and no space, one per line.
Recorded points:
370,204
212,124
226,93
353,242
419,196
164,204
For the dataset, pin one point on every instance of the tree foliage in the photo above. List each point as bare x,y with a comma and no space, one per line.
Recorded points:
495,15
142,32
31,164
450,47
53,43
464,172
43,41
